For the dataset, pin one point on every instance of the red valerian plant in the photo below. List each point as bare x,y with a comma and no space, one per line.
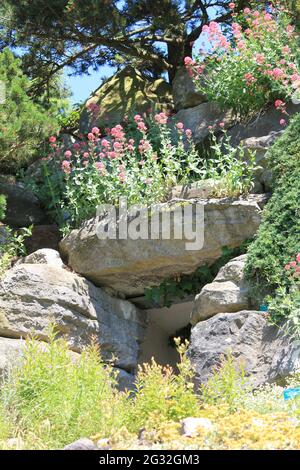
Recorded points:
257,64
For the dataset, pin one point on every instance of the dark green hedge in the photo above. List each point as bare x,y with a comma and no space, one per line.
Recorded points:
278,239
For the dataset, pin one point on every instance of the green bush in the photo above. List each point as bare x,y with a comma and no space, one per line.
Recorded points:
277,240
2,206
24,122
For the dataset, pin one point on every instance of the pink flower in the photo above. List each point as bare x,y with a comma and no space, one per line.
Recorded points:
282,122
161,118
247,11
232,6
188,61
179,125
298,258
68,154
52,139
188,133
66,167
95,131
241,45
91,136
142,127
222,124
105,143
138,118
112,155
286,50
260,59
76,146
279,104
86,155
278,73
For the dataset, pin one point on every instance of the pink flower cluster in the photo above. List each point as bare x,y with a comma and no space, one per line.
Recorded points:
293,268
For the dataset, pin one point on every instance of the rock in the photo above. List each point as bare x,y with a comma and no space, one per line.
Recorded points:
121,93
265,352
43,236
199,118
34,295
125,380
267,123
184,91
11,351
261,145
229,292
200,189
191,426
81,444
129,266
3,234
23,207
45,256
103,444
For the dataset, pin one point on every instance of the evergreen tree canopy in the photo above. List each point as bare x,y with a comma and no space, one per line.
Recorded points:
154,35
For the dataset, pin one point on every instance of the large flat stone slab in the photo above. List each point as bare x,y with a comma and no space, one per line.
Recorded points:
129,266
34,295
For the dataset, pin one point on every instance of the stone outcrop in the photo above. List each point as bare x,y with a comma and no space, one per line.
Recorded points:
184,91
265,352
129,266
23,207
120,94
200,117
229,292
34,295
44,256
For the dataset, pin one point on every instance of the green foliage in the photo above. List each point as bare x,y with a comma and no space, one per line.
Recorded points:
277,240
161,393
258,64
182,286
24,123
12,247
2,206
226,385
57,398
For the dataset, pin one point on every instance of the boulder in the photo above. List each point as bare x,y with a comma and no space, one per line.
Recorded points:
261,145
43,236
23,207
3,234
130,266
229,292
126,91
81,444
45,256
199,118
265,352
10,352
184,91
34,295
265,124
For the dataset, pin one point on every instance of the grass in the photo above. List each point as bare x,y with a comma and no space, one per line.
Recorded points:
52,398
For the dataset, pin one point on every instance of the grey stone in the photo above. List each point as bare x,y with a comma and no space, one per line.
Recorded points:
81,444
43,256
191,426
184,91
129,266
229,292
265,352
199,118
202,189
23,207
34,295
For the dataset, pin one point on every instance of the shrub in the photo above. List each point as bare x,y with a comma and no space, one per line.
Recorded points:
2,206
24,123
55,398
255,65
12,247
277,240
